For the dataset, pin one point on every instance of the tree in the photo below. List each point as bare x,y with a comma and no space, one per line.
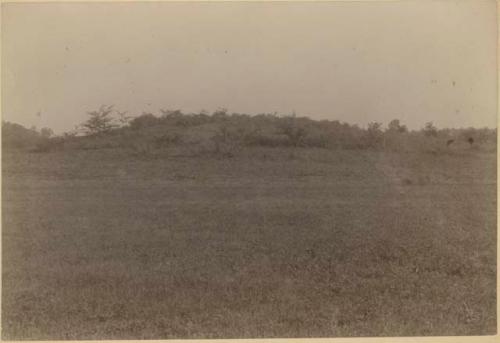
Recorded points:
290,127
220,113
123,118
430,130
172,114
100,121
73,133
46,132
374,133
175,116
395,126
375,127
144,120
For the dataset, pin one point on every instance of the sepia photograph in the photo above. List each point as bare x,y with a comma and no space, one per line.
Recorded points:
237,170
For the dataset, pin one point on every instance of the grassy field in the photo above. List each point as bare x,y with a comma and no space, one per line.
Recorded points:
270,243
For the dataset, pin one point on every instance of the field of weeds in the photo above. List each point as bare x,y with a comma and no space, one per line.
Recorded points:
276,242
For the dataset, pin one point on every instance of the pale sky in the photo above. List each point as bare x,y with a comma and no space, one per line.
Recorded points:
356,62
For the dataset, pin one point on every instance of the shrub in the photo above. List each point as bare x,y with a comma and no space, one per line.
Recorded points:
321,140
430,130
225,139
167,140
374,135
144,120
220,114
46,132
395,126
290,127
260,139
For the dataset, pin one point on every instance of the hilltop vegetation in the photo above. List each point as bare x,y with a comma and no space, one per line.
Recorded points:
224,134
15,136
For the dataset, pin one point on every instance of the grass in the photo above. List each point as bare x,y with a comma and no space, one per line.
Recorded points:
273,242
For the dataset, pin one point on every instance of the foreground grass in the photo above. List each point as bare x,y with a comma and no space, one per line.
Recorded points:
271,243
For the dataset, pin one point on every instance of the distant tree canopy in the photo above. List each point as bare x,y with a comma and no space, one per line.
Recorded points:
100,121
220,113
226,130
430,130
395,126
374,134
290,127
17,136
375,127
46,132
123,118
171,113
144,120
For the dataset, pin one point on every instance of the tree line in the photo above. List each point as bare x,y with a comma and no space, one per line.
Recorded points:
265,129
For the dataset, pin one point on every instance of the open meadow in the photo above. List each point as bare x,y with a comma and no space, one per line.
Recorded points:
270,242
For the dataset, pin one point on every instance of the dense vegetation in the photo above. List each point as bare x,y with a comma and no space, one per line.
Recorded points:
224,134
